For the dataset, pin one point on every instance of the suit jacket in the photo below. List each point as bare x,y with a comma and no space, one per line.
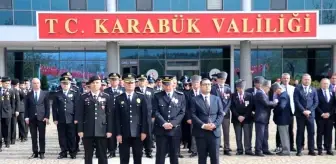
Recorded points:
290,91
168,110
9,102
22,94
226,98
39,109
324,106
149,94
64,106
94,116
263,107
201,115
304,101
17,100
282,112
239,108
189,95
131,117
253,91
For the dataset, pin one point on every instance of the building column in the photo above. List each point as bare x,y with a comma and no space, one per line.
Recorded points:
245,52
334,58
2,61
113,59
232,71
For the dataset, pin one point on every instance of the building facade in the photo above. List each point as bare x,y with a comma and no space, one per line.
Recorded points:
23,56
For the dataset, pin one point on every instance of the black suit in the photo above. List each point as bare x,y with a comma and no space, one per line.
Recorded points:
36,111
168,110
17,100
131,121
325,126
95,120
207,141
23,129
242,107
8,108
64,107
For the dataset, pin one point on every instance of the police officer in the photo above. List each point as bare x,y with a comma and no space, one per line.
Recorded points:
113,91
131,121
169,106
15,113
148,93
23,128
73,84
64,105
223,91
158,85
8,108
95,121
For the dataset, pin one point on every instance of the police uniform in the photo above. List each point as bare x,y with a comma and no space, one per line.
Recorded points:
169,110
23,128
15,112
131,122
148,93
8,108
113,93
95,120
64,105
73,86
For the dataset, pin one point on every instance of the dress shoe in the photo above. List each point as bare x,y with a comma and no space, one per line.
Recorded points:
319,153
193,155
180,156
249,153
239,153
282,154
278,149
259,154
312,153
12,142
42,156
227,152
73,156
112,155
292,149
34,155
268,153
0,149
299,154
7,146
330,153
220,146
230,149
189,151
61,156
149,155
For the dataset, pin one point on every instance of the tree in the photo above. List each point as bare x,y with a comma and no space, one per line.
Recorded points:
44,83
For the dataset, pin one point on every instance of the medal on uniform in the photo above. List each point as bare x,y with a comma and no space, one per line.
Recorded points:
122,102
247,103
148,93
138,100
70,95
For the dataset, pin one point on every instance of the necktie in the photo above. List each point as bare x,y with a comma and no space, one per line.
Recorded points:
168,95
65,93
207,104
94,97
129,98
142,90
113,90
325,95
306,90
241,99
35,96
286,88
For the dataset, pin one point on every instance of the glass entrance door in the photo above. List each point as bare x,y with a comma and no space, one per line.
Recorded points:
180,68
180,73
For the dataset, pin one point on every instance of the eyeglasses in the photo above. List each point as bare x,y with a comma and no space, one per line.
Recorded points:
206,84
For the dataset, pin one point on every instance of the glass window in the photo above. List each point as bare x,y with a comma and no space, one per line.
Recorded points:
269,64
77,4
10,67
158,65
278,4
329,4
214,4
160,5
312,4
295,67
96,67
197,5
260,4
295,4
6,17
182,53
95,55
41,4
126,5
210,52
179,5
144,5
96,5
23,17
208,65
128,53
295,53
31,68
151,52
70,55
59,5
75,67
22,4
34,17
230,5
6,4
48,55
328,16
254,61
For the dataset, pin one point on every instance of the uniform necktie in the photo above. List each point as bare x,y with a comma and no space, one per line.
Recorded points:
129,98
94,97
168,95
207,104
142,90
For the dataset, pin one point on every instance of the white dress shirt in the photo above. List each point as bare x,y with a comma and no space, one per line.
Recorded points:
290,91
131,95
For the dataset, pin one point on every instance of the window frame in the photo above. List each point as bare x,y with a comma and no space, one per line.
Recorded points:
71,9
137,9
271,1
8,8
221,9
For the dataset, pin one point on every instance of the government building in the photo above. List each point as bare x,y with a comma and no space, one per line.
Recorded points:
259,37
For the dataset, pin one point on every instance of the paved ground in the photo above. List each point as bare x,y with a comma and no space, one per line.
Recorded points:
19,153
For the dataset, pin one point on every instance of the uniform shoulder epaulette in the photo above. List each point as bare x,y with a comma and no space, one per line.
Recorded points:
72,90
105,94
139,92
179,92
85,93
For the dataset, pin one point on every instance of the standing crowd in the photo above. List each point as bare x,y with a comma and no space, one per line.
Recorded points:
135,112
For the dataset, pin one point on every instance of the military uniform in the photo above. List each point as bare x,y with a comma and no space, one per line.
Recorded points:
17,100
131,122
23,128
64,106
169,108
95,120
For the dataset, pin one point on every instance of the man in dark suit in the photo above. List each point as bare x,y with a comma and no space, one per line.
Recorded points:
15,113
131,121
306,101
23,129
64,106
169,106
332,88
113,91
207,117
281,118
95,121
262,115
325,117
241,108
37,112
223,91
8,110
148,93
